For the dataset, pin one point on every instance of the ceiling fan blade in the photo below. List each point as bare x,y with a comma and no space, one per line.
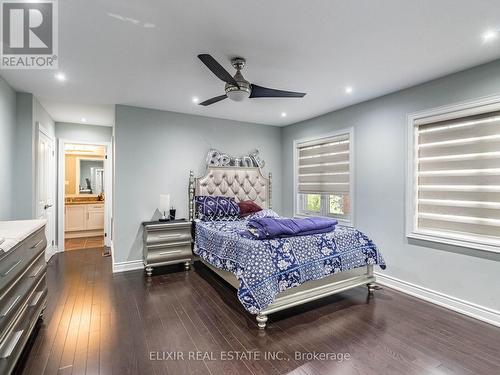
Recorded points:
265,92
213,100
217,69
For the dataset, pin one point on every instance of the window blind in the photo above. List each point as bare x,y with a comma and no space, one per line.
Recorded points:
458,176
323,166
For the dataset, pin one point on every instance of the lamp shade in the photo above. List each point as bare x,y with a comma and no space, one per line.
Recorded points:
164,202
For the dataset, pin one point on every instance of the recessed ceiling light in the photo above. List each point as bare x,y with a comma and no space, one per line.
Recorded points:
84,119
348,90
283,114
490,35
61,77
195,99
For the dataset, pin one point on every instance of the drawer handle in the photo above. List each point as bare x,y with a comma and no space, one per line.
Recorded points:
171,244
171,252
170,235
10,306
36,298
36,245
41,267
14,266
12,345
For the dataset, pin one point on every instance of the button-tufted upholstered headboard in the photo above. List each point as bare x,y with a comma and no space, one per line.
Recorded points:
241,183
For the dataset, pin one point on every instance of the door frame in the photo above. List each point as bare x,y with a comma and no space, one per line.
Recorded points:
108,189
40,128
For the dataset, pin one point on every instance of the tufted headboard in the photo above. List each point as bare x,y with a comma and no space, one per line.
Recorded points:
241,183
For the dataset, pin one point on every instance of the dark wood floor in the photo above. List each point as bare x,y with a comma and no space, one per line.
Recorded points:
99,323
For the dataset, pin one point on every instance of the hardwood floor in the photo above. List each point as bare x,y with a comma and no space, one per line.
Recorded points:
83,243
99,323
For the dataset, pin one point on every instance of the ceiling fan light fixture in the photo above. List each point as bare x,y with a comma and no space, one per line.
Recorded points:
237,95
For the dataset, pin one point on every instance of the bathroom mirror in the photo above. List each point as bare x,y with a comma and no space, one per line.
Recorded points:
91,176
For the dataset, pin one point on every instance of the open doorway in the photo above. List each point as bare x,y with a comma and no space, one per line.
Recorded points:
85,194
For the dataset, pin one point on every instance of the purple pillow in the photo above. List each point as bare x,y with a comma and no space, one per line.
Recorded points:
210,208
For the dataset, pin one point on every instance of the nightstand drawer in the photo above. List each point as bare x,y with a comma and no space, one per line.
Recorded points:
168,235
167,252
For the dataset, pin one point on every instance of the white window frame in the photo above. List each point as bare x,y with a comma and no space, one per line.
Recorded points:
296,197
449,112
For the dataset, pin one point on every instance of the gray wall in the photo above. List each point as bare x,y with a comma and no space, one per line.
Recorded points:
7,149
380,157
155,151
83,132
43,117
25,168
28,111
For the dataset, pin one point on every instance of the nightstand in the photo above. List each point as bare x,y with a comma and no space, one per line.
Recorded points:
166,242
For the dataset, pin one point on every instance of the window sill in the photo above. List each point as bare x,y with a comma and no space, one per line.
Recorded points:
442,238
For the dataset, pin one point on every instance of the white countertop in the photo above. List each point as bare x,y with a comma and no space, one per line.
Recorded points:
13,232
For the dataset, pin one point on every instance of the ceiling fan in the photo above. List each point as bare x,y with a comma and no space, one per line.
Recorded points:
238,88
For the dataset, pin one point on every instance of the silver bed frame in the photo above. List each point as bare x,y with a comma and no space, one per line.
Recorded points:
248,183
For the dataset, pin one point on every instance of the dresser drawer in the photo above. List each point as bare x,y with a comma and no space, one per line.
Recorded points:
164,253
20,293
12,347
15,262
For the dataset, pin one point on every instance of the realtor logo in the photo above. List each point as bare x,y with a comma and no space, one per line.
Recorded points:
29,34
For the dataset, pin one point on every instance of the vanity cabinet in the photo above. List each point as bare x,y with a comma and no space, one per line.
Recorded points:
83,217
95,217
75,218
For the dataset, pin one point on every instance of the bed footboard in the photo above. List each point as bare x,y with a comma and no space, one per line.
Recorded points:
309,291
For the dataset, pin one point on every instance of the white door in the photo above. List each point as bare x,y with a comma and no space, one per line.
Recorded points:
45,185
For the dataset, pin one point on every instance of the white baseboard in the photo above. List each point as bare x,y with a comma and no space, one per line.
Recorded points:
464,307
50,252
128,266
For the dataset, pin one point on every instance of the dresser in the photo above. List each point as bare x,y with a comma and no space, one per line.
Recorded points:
23,293
166,243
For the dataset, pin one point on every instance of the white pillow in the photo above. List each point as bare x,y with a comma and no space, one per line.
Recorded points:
266,212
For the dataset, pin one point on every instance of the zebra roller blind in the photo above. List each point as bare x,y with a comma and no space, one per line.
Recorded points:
323,166
458,174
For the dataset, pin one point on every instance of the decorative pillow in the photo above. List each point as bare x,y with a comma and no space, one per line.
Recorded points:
267,212
248,208
210,208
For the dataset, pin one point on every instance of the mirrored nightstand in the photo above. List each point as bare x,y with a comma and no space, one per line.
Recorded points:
165,243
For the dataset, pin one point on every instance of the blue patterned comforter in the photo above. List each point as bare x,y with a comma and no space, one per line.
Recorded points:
265,268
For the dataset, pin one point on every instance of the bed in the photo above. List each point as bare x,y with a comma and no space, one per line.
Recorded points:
274,275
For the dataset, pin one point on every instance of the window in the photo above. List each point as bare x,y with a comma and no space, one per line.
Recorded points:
323,179
453,185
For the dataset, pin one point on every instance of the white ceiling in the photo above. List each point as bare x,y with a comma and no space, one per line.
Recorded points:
95,114
143,53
